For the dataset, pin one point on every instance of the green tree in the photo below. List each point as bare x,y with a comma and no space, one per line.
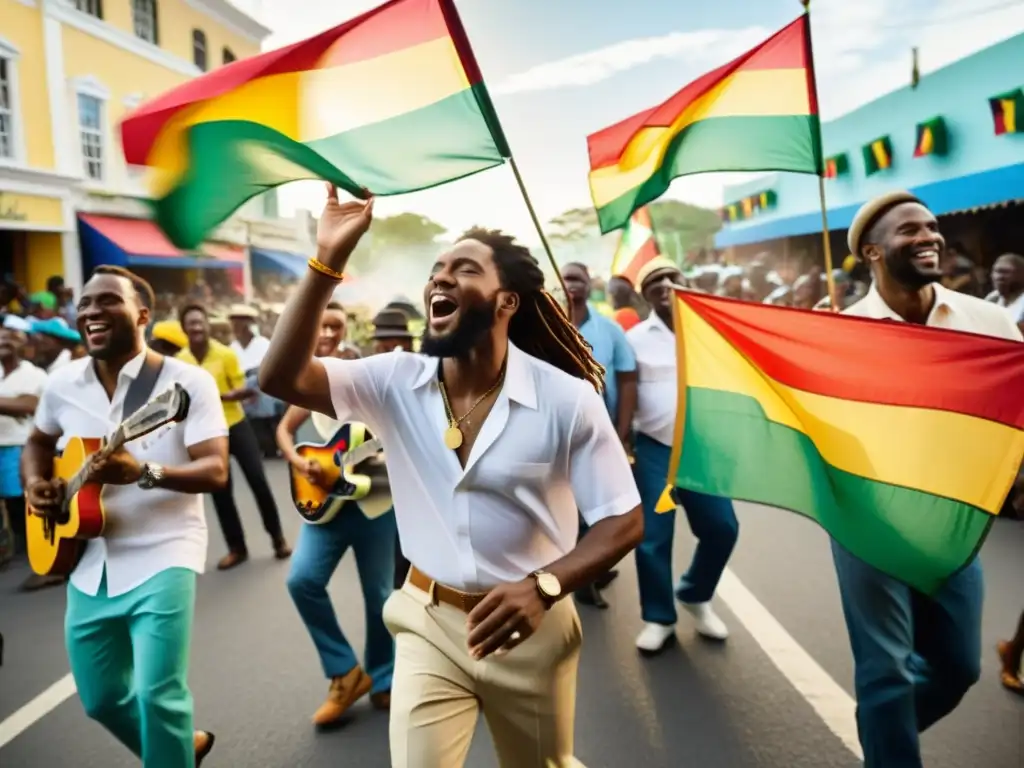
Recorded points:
393,234
573,225
681,227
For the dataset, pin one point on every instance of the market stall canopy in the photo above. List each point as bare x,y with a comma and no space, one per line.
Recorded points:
140,243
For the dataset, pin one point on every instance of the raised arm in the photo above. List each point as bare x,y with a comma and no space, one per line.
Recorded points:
289,371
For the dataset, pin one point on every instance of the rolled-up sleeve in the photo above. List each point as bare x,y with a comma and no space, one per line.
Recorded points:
602,480
358,387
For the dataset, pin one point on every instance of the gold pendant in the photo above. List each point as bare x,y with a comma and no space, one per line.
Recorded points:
453,437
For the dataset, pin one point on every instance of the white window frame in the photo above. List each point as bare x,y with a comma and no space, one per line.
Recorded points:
206,49
11,55
153,26
93,88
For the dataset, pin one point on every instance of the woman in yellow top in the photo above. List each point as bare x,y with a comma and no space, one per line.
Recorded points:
222,363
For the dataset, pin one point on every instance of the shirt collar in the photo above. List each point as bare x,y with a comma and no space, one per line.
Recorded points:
519,384
882,311
129,370
654,323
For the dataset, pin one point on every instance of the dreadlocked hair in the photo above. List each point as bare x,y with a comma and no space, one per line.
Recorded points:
540,326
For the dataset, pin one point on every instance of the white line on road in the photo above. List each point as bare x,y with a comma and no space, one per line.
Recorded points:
37,709
833,704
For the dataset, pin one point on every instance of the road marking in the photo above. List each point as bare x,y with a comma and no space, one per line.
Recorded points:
833,704
37,709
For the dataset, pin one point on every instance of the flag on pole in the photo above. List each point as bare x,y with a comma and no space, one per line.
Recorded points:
1005,109
901,441
756,113
877,155
391,102
637,246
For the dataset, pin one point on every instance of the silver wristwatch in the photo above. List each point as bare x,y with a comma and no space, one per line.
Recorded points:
152,476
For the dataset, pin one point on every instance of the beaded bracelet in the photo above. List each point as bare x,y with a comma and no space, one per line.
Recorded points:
318,266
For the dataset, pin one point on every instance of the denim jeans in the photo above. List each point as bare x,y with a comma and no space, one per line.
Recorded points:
712,521
314,561
914,657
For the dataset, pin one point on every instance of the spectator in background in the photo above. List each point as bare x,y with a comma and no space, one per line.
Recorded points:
53,341
20,388
624,301
959,273
223,365
168,338
1008,281
250,346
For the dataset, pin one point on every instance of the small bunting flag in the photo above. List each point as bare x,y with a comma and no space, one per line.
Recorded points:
878,155
836,166
931,138
1005,109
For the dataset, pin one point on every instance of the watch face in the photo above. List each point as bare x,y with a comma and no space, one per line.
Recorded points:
549,584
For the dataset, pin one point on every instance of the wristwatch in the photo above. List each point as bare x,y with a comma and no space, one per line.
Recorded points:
152,476
548,585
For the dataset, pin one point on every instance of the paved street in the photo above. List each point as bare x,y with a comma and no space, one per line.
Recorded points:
759,700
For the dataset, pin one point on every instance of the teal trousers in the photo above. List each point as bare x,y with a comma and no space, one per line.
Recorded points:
129,658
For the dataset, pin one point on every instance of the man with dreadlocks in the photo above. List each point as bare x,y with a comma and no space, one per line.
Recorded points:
499,434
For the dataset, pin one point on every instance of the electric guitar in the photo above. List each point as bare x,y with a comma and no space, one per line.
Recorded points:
55,542
318,503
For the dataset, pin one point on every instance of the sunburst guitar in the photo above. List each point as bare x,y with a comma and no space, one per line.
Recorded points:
318,503
55,543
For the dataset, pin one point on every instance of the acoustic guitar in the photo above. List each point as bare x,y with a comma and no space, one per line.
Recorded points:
55,542
318,503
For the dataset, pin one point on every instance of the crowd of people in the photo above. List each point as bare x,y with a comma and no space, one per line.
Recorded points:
459,618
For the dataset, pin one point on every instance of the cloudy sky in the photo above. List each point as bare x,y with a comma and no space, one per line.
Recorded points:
561,69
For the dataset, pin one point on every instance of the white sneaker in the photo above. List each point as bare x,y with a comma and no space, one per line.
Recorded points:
655,637
708,624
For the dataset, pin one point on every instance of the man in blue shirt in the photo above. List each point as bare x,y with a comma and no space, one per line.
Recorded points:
614,353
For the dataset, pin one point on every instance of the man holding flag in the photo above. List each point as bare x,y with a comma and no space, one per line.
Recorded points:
712,519
914,657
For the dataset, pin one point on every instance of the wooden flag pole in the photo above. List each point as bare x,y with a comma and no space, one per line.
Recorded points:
830,280
540,231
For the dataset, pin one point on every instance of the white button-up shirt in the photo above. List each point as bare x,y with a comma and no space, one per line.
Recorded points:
546,449
148,531
654,345
24,380
953,311
251,356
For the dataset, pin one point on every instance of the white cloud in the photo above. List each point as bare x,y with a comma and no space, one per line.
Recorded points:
700,47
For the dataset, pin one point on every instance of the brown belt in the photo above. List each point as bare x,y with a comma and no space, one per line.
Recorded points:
439,593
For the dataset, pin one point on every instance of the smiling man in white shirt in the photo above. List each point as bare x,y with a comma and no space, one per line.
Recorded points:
131,598
915,657
495,435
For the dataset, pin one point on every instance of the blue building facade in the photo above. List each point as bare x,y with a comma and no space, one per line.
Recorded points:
978,170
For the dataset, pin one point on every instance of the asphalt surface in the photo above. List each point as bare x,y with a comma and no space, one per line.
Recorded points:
256,679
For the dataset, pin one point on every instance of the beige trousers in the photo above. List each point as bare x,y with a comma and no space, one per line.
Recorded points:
528,695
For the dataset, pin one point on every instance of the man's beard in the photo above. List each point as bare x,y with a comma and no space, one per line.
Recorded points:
900,263
475,323
120,343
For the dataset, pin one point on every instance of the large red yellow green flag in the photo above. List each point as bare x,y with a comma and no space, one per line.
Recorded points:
901,441
756,113
390,102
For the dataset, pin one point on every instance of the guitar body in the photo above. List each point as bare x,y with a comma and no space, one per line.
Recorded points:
54,549
319,504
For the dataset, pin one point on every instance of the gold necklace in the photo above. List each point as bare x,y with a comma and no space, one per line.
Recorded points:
453,434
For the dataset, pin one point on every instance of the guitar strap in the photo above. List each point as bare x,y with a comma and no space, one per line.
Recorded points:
141,388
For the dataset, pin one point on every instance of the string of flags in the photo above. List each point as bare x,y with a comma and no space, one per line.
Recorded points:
749,206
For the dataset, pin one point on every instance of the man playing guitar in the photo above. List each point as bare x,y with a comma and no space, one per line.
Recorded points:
131,598
317,555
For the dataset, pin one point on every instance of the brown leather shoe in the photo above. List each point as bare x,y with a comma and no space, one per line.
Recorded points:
281,549
381,700
343,693
231,559
202,742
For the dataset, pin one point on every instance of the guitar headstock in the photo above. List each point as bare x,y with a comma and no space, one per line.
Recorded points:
171,406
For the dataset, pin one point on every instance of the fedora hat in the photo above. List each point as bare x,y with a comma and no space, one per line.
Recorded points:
243,310
391,324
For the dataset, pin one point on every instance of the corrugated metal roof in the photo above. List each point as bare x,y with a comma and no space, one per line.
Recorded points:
989,207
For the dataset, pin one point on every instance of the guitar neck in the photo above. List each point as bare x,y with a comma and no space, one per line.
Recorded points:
75,484
362,453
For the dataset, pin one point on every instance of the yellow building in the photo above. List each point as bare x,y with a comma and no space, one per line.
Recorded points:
69,71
